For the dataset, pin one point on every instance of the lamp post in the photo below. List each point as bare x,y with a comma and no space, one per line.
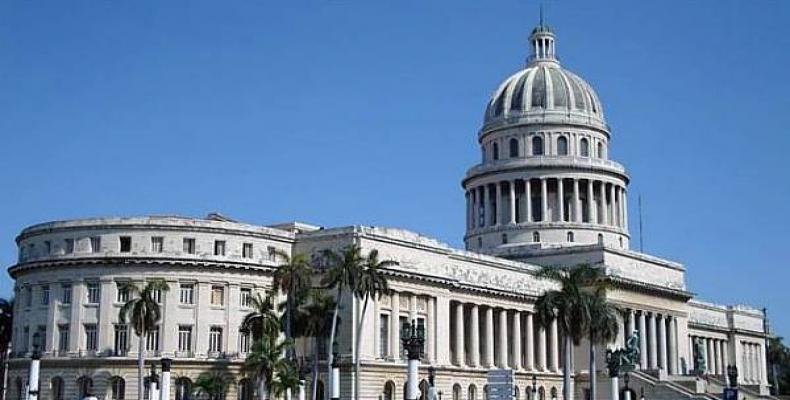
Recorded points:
627,390
413,339
431,385
35,366
732,375
303,370
153,384
335,395
164,387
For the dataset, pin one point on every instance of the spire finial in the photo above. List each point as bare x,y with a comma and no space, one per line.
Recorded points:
541,14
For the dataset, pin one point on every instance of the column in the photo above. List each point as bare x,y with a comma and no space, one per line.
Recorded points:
763,367
560,200
577,202
673,345
395,326
602,206
625,209
652,341
528,195
662,342
555,341
620,213
631,323
530,342
542,349
515,348
544,196
726,352
512,185
709,355
460,357
486,206
642,340
489,337
717,356
612,220
590,202
502,350
498,209
474,335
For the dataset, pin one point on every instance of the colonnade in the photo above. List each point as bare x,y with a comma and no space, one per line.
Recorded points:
714,352
547,199
658,339
485,336
753,363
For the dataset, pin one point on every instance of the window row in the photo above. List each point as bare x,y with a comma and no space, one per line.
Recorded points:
538,147
116,388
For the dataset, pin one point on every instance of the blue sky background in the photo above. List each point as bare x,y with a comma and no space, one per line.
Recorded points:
365,112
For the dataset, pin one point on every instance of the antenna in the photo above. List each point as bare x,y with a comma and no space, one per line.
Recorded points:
641,238
541,14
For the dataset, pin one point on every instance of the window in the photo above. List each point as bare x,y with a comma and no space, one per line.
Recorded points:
125,243
69,247
63,337
157,244
66,293
246,250
536,237
537,146
479,242
244,341
215,339
495,151
186,293
456,392
93,293
600,238
91,342
245,297
28,296
584,146
56,388
185,338
121,340
84,386
219,247
245,390
156,295
472,392
183,389
189,245
562,146
117,388
384,335
217,295
123,292
422,326
570,236
25,339
45,295
47,247
95,244
42,332
600,150
152,340
504,238
513,148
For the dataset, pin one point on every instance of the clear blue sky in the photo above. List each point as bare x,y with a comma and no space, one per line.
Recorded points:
365,112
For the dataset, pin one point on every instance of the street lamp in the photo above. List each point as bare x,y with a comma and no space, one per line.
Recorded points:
431,385
335,376
304,369
534,386
164,386
35,366
627,390
413,338
732,375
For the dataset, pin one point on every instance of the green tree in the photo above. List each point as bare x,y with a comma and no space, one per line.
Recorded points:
286,378
265,360
313,320
779,363
212,385
6,325
568,306
263,319
371,283
602,327
143,312
292,277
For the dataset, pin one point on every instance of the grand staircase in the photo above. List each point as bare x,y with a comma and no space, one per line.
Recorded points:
685,388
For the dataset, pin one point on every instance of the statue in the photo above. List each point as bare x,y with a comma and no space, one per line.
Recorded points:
700,365
632,349
623,360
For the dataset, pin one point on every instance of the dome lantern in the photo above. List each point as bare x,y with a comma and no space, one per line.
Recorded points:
542,41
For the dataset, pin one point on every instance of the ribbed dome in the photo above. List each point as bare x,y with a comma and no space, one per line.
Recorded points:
543,87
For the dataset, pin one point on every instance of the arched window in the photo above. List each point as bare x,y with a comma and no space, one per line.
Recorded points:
537,146
536,237
570,237
117,388
528,393
541,393
244,390
56,388
486,395
584,146
389,391
504,238
84,386
600,238
553,393
183,389
320,390
457,392
423,390
495,151
562,146
472,392
600,150
516,393
513,148
621,243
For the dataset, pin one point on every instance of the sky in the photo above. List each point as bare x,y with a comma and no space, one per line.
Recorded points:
366,112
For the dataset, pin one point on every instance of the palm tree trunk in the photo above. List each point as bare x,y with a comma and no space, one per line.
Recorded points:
593,371
315,368
262,390
331,357
140,367
566,376
357,345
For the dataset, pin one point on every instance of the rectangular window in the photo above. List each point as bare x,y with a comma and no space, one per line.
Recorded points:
186,293
47,247
421,326
246,250
126,244
152,340
219,247
217,295
25,339
95,244
66,295
244,341
28,296
63,337
189,245
185,338
45,295
42,332
69,247
384,335
245,297
401,322
215,339
157,244
157,296
121,339
93,293
123,292
91,342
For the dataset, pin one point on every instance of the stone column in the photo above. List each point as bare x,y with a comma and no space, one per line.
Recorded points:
502,350
631,323
716,356
515,348
625,209
486,206
709,355
577,202
512,185
474,335
560,200
643,340
460,357
652,341
542,349
498,209
590,202
673,345
662,342
544,196
395,326
555,341
489,337
602,208
611,219
726,352
528,195
529,338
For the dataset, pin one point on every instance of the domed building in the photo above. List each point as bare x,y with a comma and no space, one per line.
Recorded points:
544,193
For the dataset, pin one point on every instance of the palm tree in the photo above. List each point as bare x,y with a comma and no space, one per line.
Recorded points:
212,385
313,320
568,306
263,319
603,328
143,312
265,360
6,326
291,277
371,283
287,375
